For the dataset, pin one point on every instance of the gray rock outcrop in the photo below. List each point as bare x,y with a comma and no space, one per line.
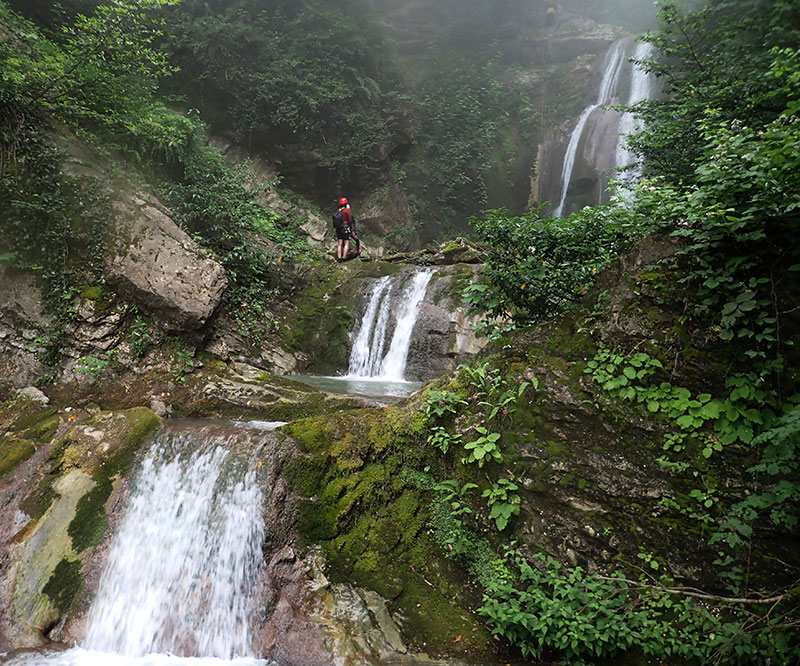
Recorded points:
22,323
158,266
444,334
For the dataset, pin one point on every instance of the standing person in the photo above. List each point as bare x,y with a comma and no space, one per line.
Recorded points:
342,231
350,220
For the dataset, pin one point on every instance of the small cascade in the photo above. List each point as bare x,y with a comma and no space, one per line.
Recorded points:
400,296
393,365
184,561
368,344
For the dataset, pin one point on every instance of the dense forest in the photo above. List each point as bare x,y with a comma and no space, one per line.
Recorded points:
431,102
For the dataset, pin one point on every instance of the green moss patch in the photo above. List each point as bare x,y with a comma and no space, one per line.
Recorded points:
13,452
372,520
41,497
38,425
64,584
142,422
320,323
88,526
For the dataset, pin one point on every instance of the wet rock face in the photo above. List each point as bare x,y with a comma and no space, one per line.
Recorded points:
57,497
443,336
157,265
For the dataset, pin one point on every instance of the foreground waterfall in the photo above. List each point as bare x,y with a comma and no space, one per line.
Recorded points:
596,147
184,562
398,295
201,533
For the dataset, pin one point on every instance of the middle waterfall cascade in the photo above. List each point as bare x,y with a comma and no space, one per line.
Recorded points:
183,564
367,358
621,82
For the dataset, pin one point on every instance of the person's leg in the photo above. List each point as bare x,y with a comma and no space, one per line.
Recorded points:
339,246
346,250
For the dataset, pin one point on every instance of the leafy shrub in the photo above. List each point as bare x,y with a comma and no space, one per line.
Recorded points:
538,267
441,403
503,501
484,447
301,72
583,617
443,440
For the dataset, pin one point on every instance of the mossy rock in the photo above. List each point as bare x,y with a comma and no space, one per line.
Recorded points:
13,452
89,524
64,584
371,521
141,423
35,423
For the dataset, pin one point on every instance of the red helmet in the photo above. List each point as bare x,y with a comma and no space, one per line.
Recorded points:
342,201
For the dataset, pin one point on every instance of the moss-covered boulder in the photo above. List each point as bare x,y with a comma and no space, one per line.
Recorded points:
365,505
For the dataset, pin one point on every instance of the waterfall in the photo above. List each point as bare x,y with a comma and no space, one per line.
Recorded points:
608,86
596,147
369,339
185,559
641,89
367,357
394,363
569,157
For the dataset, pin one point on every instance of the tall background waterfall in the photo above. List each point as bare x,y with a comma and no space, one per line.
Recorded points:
383,336
596,146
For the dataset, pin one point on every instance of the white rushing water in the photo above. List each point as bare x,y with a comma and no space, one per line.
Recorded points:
367,349
177,587
614,62
200,536
598,139
367,358
641,89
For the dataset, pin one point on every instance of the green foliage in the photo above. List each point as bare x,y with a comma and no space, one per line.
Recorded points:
139,336
450,529
715,56
462,109
300,71
503,502
538,267
493,392
91,365
583,617
441,403
183,362
483,448
735,418
442,439
780,499
748,415
102,62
